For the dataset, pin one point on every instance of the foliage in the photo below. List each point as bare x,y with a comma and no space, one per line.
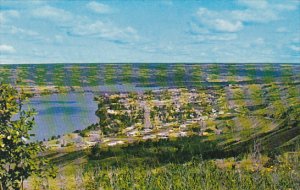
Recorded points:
260,102
196,174
18,156
180,165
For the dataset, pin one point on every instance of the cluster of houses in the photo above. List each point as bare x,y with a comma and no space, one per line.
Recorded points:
167,113
175,104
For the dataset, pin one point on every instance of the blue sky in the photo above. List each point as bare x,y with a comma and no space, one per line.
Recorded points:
149,31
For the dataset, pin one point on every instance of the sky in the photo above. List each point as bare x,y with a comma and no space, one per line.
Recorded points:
144,31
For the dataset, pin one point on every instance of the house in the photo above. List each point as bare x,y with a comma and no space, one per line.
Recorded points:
204,117
128,129
149,137
81,145
133,133
147,131
114,143
163,135
120,142
182,133
169,124
90,144
113,112
104,140
218,131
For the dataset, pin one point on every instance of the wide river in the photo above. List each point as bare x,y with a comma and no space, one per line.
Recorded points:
58,114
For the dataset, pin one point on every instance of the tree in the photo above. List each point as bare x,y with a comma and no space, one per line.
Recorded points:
19,157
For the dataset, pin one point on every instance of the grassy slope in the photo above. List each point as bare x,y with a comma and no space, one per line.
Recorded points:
187,163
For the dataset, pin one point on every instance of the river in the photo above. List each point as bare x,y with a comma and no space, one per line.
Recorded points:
58,114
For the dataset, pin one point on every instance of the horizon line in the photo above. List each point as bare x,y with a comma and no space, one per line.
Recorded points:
52,63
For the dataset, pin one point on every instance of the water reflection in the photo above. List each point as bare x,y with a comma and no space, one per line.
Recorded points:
63,113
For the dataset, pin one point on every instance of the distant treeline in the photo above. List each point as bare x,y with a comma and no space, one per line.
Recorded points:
84,75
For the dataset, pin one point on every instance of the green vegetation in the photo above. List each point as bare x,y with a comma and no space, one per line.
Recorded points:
18,157
110,74
255,146
184,163
187,163
228,126
144,75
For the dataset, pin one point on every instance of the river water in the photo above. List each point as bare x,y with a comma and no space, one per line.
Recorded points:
59,114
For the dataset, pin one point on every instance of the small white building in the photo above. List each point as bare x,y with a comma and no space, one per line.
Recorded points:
183,133
113,112
90,144
133,133
114,143
148,130
149,137
163,134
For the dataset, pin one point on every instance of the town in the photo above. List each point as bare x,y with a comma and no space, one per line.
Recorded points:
150,115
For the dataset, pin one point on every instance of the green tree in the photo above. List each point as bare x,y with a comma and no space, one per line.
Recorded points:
19,158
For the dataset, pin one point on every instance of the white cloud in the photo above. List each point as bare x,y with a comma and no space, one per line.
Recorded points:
281,30
167,2
196,29
106,31
259,41
263,10
6,48
79,25
213,20
295,48
8,15
255,11
227,26
98,7
296,40
215,37
254,15
259,4
22,33
17,30
294,44
287,6
267,5
164,49
58,38
52,13
213,28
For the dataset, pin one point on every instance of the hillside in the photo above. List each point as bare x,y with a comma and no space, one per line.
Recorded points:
248,136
